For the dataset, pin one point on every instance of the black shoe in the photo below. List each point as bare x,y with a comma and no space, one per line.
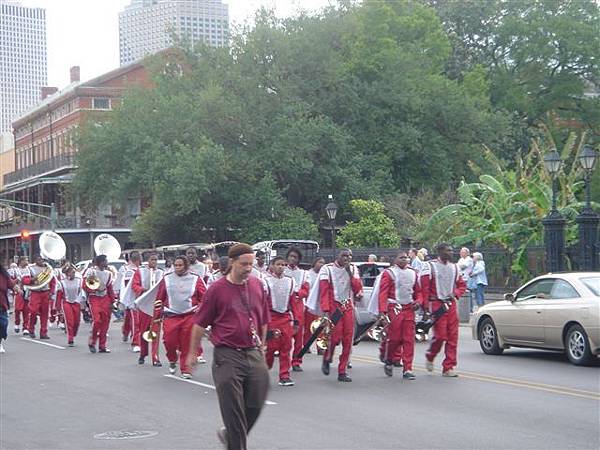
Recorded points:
104,350
156,364
325,367
125,338
381,358
141,360
388,369
344,378
32,335
397,363
297,369
71,344
45,336
408,375
286,382
92,348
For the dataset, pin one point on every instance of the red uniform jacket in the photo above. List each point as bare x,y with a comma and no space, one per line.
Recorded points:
387,290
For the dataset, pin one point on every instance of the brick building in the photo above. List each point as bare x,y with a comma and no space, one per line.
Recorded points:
44,164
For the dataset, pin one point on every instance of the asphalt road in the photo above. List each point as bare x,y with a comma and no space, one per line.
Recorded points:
54,397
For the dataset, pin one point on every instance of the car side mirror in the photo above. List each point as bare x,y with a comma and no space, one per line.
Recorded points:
509,297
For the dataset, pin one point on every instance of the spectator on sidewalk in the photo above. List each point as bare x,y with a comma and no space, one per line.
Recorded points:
478,278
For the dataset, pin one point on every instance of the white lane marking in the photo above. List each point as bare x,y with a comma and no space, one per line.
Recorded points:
209,386
43,343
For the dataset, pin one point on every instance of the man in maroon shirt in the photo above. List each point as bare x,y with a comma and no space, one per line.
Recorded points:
237,308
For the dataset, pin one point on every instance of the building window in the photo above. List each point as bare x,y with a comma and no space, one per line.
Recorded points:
101,103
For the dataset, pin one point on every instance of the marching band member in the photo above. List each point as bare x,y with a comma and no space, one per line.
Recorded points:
142,281
131,322
339,286
100,301
442,285
7,283
39,300
311,279
259,263
21,302
399,295
179,295
285,311
293,258
223,266
199,268
72,297
56,311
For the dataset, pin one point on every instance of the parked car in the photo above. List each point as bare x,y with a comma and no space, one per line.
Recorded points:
309,249
552,312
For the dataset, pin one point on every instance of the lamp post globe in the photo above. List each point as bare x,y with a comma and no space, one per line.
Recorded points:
588,221
331,209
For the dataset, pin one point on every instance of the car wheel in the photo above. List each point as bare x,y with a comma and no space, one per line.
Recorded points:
488,338
577,346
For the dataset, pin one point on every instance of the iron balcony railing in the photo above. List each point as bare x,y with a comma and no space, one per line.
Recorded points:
48,165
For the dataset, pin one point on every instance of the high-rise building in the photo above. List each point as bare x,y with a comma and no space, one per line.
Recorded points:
23,62
148,26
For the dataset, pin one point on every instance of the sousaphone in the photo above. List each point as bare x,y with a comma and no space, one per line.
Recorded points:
107,244
53,247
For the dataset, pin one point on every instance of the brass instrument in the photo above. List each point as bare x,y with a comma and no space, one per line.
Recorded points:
378,332
106,244
150,335
41,280
92,282
322,340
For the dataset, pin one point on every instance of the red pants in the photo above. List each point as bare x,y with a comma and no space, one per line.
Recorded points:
299,339
21,310
39,304
282,344
445,330
145,322
308,318
401,336
72,314
342,332
177,331
131,326
101,309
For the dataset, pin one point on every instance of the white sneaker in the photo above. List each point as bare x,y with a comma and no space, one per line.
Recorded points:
2,348
429,365
201,360
186,376
136,349
25,332
172,368
17,329
449,373
61,326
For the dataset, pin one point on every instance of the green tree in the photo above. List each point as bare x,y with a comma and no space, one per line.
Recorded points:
291,223
371,229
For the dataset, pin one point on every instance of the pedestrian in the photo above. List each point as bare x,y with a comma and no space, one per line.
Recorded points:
144,279
39,299
21,299
178,298
442,286
415,261
71,294
339,288
7,283
478,278
293,258
286,311
237,308
465,263
100,300
398,297
259,263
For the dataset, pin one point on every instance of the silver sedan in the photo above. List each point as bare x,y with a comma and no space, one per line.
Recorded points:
553,312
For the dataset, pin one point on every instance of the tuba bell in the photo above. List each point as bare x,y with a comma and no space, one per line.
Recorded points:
107,244
52,246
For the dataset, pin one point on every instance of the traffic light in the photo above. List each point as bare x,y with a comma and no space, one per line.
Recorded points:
25,235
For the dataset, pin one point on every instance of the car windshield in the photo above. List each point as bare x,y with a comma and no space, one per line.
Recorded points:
593,284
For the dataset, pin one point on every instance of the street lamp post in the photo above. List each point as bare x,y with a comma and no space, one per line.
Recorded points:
588,220
554,222
331,210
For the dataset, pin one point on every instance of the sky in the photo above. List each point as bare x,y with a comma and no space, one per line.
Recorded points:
85,33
